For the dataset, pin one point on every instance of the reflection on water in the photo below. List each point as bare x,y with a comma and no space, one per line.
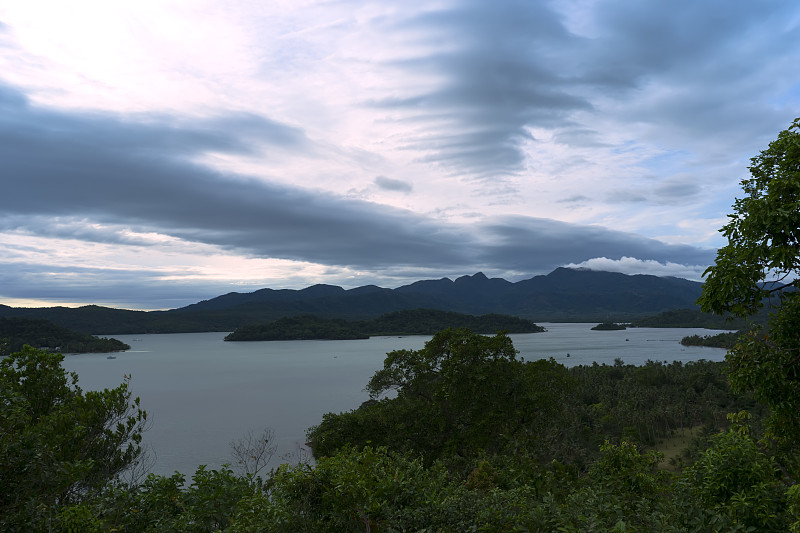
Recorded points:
201,392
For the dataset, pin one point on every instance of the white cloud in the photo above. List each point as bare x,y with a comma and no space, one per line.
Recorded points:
631,266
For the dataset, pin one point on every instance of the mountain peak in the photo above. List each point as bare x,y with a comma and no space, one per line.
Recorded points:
479,276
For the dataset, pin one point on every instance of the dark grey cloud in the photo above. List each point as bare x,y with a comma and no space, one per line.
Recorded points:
71,227
502,70
706,71
687,69
390,184
534,244
574,199
677,190
625,196
63,174
109,171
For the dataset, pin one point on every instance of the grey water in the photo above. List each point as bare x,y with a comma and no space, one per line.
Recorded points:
201,392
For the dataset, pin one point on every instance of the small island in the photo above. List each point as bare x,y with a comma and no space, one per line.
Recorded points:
609,326
694,318
720,340
305,327
410,322
43,334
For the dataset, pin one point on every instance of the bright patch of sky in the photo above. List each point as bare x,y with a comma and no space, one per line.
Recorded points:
160,152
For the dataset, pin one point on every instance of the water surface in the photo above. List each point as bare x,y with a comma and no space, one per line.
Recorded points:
201,392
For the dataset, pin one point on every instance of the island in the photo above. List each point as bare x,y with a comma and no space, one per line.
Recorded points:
304,327
43,334
409,322
725,340
694,318
609,326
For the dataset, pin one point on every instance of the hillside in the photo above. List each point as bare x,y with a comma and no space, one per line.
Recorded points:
563,295
17,332
416,322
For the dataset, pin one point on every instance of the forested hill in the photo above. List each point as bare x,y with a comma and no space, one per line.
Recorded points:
416,322
17,332
563,295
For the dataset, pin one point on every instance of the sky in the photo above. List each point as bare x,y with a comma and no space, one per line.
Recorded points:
161,152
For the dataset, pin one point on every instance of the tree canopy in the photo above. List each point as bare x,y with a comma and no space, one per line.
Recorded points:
760,266
57,442
762,257
46,335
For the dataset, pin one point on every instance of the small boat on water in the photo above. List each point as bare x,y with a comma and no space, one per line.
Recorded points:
111,357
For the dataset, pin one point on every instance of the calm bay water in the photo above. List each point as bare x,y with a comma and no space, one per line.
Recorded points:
201,392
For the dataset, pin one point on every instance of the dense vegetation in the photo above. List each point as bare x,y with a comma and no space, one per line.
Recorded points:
298,328
473,438
58,444
720,340
759,269
466,396
18,332
416,322
688,318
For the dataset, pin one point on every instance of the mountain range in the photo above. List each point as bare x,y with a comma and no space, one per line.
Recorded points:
562,295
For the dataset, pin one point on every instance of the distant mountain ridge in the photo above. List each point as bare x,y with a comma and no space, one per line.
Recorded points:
563,295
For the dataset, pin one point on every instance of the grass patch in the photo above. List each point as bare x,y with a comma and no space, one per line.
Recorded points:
674,446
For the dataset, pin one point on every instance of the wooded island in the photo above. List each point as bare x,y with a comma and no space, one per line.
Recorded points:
416,322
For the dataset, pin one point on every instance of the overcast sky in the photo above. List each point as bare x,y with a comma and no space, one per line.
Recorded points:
160,152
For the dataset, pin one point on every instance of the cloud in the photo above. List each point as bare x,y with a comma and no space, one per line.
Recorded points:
632,116
389,184
492,79
631,265
503,68
696,69
102,179
525,243
124,288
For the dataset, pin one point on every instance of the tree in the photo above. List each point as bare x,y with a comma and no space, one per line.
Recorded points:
252,452
734,484
760,266
57,442
461,396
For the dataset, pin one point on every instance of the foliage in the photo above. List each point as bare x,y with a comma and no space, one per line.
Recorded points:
763,233
720,340
465,395
689,318
769,365
460,394
761,264
359,490
734,485
47,335
57,442
474,439
694,318
623,491
215,500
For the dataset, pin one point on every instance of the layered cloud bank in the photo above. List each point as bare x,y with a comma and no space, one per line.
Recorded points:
364,142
